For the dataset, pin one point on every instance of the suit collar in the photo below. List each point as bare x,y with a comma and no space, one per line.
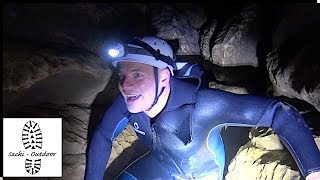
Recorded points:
181,93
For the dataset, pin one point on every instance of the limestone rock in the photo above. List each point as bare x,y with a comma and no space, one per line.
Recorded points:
293,64
294,76
233,89
206,38
236,43
182,26
263,158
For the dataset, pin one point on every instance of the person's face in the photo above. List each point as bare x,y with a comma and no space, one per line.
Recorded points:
137,85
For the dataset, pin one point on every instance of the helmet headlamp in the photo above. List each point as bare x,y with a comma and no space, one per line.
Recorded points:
148,50
121,50
116,51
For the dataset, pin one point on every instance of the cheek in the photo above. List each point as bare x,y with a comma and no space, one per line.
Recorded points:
149,91
145,87
120,87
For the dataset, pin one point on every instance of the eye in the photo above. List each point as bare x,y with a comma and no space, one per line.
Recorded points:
137,75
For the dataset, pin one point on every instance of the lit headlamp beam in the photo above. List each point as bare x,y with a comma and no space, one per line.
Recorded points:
113,52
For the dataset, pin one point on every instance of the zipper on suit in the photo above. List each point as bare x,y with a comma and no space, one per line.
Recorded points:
154,137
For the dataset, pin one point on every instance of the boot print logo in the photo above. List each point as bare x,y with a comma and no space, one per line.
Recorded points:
32,139
32,147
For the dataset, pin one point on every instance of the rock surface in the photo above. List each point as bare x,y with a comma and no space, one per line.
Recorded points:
263,158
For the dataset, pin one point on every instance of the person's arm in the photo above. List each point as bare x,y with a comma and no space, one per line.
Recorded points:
295,134
230,109
113,122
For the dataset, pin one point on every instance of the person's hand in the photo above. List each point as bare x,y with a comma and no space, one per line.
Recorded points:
313,176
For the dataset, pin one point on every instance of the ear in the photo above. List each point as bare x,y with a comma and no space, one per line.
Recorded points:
165,76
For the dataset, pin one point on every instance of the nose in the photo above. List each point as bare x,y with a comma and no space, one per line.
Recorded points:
126,82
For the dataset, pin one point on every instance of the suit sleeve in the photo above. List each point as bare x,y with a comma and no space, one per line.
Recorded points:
296,136
230,109
98,152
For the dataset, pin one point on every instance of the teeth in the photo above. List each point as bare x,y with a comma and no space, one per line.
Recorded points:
133,96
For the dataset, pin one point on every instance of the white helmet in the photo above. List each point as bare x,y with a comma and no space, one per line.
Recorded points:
148,50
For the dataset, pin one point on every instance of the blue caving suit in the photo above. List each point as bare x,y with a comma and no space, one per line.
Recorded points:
185,140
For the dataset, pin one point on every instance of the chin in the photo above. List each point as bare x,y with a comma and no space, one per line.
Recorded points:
133,110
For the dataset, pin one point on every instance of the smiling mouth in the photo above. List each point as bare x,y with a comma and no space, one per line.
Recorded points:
133,97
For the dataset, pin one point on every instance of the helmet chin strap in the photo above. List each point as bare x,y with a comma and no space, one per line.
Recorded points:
156,96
